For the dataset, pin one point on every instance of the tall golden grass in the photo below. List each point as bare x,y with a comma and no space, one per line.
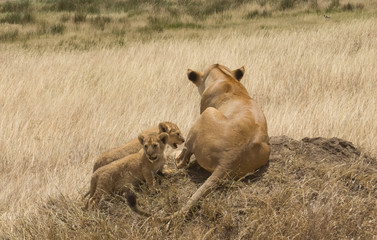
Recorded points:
60,109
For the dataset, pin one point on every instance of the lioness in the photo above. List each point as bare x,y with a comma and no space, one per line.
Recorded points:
115,177
230,136
133,146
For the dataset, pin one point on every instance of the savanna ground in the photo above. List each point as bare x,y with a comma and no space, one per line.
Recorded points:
81,77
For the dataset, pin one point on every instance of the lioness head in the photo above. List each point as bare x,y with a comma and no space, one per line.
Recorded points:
153,145
175,135
199,79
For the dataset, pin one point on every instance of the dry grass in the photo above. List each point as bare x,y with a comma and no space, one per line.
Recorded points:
60,109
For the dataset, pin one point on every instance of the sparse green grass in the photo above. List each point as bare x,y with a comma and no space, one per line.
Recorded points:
9,36
86,18
15,6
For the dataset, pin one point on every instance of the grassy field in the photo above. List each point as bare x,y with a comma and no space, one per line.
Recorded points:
75,83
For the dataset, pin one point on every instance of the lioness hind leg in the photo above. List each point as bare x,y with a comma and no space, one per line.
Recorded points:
211,183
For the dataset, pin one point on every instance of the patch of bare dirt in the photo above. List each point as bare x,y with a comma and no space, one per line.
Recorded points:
327,150
315,149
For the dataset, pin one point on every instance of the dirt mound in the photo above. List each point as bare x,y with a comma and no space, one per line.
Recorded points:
314,188
330,151
314,149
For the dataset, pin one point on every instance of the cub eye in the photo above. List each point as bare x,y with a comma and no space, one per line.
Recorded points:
178,134
145,146
154,145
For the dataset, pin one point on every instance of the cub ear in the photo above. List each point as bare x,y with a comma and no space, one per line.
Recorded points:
141,139
238,73
193,76
163,127
163,137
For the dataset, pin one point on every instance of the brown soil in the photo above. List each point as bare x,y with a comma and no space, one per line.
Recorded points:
313,149
330,151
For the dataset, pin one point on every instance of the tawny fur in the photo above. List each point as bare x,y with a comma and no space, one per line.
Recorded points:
230,136
175,138
133,146
117,176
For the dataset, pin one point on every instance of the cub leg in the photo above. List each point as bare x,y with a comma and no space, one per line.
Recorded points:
149,178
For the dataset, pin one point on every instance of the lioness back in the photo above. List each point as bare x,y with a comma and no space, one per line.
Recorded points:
133,146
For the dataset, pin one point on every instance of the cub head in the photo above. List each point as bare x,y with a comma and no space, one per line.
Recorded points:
175,135
154,145
199,79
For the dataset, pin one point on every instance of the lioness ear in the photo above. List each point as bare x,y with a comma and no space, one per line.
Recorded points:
141,139
238,73
192,75
163,127
163,137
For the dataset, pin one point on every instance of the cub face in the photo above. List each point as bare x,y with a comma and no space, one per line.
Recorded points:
153,145
175,135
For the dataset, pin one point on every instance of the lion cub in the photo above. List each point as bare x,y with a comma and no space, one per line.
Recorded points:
133,146
132,169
